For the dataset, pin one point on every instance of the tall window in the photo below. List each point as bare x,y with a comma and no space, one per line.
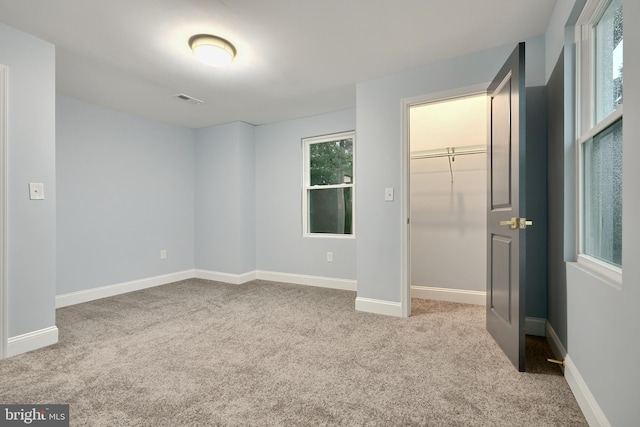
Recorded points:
600,76
328,184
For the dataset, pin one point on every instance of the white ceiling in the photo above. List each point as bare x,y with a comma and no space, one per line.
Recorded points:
296,58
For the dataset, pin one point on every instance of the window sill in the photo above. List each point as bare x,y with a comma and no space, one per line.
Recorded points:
329,236
606,273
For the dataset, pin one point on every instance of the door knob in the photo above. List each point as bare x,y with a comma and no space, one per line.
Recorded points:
512,223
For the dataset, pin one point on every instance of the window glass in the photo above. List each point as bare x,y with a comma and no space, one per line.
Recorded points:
330,210
608,52
603,195
331,162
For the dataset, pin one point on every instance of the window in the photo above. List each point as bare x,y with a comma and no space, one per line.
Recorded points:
600,95
328,185
603,195
608,61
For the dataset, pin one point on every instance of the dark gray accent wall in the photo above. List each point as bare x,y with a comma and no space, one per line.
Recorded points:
536,202
557,288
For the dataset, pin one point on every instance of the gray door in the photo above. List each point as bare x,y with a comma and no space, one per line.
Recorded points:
506,255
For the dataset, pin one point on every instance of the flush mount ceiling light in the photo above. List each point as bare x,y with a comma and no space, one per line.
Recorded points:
212,50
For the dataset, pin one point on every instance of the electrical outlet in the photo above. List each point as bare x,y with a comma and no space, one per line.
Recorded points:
163,254
36,191
329,256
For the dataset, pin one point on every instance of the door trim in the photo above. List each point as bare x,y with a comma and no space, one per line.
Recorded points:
405,244
4,294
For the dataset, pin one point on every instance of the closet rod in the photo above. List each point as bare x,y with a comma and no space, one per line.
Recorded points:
450,152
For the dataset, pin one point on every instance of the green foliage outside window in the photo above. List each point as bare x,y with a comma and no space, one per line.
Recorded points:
331,162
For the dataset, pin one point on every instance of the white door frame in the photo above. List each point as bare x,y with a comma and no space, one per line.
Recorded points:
4,294
407,103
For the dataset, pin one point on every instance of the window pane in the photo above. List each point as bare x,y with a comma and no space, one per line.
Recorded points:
603,195
609,44
331,162
330,210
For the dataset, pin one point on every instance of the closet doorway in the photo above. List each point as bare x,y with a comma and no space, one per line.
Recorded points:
448,199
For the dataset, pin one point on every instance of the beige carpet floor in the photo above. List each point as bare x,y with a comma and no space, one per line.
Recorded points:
198,353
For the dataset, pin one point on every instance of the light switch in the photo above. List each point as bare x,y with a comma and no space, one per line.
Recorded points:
388,194
36,191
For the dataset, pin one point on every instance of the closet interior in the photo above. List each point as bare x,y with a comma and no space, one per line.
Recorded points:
448,193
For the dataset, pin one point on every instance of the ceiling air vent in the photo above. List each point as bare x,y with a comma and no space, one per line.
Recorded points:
189,99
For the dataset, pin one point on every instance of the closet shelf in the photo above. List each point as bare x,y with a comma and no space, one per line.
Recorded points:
450,152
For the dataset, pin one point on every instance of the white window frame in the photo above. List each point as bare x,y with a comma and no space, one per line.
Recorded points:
586,125
306,187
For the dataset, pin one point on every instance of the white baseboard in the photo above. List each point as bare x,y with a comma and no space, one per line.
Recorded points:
387,308
78,297
448,294
555,343
535,326
87,295
32,341
588,404
234,279
300,279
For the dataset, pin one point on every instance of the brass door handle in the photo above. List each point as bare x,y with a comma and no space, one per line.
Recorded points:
512,223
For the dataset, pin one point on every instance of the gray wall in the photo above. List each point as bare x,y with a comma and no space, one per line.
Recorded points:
561,176
279,241
536,203
225,199
378,161
125,192
31,158
557,286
